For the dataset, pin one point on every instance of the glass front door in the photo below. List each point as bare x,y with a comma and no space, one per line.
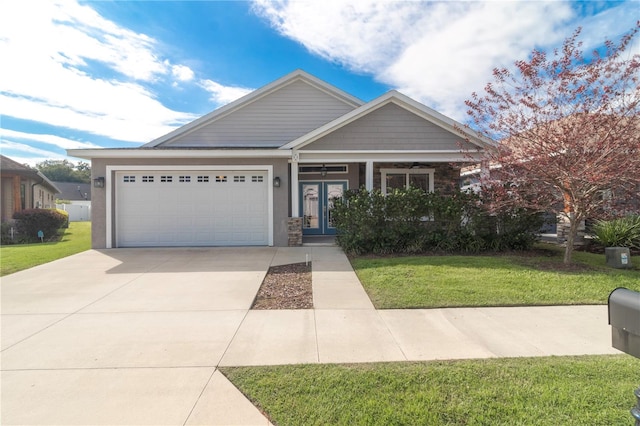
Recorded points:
316,205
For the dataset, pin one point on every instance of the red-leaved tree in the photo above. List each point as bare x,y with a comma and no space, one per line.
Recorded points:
568,128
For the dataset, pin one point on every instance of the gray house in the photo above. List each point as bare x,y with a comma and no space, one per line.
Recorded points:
265,167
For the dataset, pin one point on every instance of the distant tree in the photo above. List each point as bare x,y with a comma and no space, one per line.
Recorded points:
568,128
83,171
65,171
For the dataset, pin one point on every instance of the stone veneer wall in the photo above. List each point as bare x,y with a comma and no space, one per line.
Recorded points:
294,230
563,230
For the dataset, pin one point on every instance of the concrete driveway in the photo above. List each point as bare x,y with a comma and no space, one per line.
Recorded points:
135,336
128,336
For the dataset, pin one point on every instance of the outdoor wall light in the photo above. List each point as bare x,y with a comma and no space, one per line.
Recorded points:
98,182
276,182
323,171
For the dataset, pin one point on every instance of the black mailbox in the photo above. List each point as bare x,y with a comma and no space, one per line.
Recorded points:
624,317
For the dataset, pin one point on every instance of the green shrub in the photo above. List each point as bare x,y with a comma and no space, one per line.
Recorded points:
66,215
6,235
622,232
410,221
515,229
30,221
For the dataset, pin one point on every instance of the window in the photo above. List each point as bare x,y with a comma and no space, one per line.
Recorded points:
406,178
184,178
238,178
128,179
221,179
257,178
203,178
317,168
147,178
166,178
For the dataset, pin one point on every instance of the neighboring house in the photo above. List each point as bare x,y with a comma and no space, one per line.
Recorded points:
24,188
263,169
77,200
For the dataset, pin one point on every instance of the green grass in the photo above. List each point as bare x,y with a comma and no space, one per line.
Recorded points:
587,390
14,258
538,278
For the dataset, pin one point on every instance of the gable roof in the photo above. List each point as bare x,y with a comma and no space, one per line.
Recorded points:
348,100
74,191
7,165
402,101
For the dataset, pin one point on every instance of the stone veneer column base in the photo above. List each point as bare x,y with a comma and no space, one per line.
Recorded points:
294,230
563,227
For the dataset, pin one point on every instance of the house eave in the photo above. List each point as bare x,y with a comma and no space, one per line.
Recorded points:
387,156
89,154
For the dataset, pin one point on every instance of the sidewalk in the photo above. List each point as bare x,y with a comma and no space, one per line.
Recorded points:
345,327
103,338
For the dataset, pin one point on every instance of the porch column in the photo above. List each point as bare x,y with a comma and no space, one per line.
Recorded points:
368,170
485,172
295,202
17,196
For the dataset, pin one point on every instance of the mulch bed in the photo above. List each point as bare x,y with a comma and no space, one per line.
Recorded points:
286,287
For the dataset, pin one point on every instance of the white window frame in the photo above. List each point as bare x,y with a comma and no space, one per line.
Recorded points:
407,172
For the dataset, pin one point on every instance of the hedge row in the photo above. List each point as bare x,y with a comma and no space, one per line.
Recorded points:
29,222
412,221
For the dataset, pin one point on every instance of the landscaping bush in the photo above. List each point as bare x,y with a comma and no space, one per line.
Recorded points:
622,232
29,222
411,221
515,229
6,236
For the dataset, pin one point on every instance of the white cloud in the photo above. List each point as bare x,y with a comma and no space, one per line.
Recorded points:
21,147
436,52
182,72
57,141
223,94
361,34
47,52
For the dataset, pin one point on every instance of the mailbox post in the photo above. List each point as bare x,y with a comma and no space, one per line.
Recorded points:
624,317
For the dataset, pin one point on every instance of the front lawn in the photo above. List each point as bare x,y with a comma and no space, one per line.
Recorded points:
14,258
535,278
588,390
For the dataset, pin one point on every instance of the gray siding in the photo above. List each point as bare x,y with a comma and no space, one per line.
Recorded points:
389,127
272,120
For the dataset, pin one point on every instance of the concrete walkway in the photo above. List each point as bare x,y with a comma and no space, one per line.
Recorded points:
135,336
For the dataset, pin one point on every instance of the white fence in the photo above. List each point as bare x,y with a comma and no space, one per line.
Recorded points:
77,212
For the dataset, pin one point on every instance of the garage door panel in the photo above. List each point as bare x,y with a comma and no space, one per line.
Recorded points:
181,208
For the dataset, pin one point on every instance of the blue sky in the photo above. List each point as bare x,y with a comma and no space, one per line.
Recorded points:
122,73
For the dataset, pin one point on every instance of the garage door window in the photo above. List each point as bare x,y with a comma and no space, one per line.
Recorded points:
203,179
129,179
147,179
185,179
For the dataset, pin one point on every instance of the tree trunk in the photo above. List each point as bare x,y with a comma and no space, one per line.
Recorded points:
574,222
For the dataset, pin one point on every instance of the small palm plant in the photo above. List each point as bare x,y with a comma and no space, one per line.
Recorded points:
622,232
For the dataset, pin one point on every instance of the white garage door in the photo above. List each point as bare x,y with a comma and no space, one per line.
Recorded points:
191,208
